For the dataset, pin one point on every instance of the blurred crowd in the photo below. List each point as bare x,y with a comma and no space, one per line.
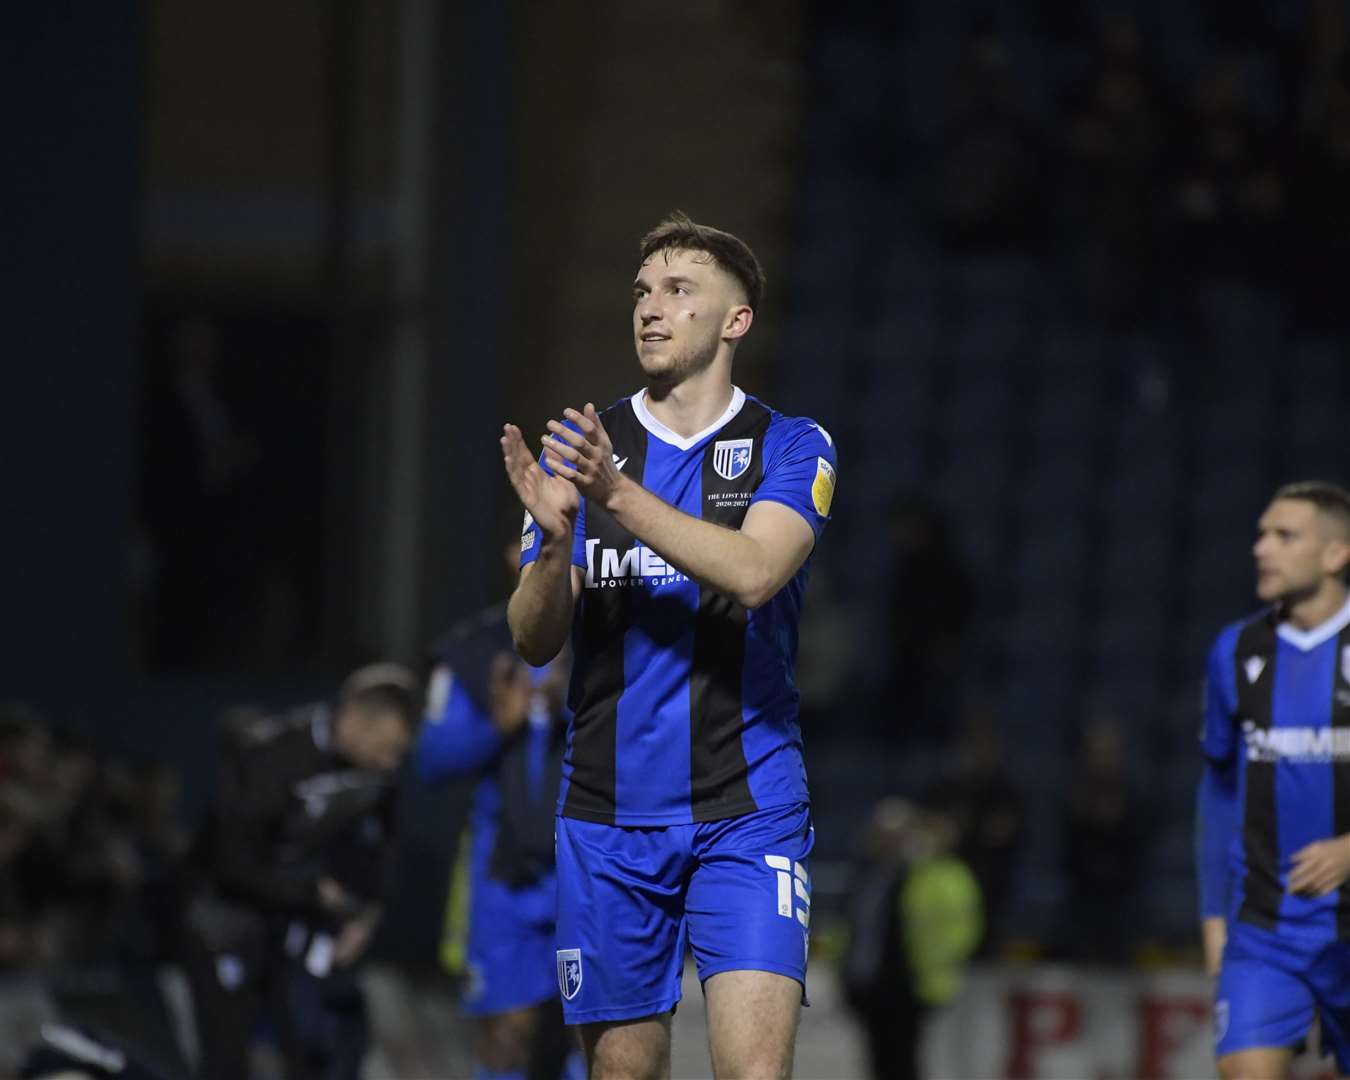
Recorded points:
1229,169
89,841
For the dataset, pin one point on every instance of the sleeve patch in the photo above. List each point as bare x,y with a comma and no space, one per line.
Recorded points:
822,489
527,532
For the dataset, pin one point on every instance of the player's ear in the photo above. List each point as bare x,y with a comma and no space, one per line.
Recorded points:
1336,557
738,321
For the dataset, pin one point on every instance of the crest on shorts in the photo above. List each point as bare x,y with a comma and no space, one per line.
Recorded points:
731,457
569,973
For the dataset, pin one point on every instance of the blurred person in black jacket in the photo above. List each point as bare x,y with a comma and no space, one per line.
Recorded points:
289,874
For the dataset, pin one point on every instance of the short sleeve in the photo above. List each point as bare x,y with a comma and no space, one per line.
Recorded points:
800,470
1218,731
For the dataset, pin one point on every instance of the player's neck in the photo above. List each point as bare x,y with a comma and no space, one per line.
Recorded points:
693,404
1312,611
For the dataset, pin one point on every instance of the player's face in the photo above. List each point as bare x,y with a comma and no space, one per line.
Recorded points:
377,739
1290,551
681,300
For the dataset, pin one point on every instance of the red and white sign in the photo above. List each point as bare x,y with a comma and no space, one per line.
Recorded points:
1058,1023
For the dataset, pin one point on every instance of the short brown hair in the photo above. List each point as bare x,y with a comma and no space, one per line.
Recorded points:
679,232
1329,498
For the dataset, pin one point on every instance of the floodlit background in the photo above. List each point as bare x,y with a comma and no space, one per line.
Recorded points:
1064,280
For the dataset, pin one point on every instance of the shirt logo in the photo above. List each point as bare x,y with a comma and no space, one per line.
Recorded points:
527,532
1345,663
613,569
620,462
822,489
1297,745
569,973
1253,666
731,457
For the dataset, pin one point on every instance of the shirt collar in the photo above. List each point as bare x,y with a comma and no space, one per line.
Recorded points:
1307,640
653,425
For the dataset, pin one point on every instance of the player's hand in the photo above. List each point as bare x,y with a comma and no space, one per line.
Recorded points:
551,501
509,693
585,458
355,936
334,899
1321,867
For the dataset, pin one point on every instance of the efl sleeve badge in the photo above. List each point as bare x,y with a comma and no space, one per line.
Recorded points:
822,489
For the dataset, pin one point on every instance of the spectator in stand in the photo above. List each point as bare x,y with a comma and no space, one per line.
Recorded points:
1228,196
990,186
1103,846
24,940
983,801
931,601
1114,139
1321,210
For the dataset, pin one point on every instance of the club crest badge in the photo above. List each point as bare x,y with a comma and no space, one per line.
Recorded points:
731,457
569,973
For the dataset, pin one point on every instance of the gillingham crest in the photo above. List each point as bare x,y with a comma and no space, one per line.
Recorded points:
731,457
569,973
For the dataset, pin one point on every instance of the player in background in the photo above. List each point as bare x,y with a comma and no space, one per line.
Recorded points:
492,717
671,535
1273,836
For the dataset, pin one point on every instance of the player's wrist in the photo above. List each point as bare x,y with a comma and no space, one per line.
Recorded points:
553,542
620,494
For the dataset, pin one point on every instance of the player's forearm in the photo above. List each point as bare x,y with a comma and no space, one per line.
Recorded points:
540,610
722,559
1213,938
1216,814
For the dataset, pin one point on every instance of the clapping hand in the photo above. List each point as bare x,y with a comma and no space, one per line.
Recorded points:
584,456
552,501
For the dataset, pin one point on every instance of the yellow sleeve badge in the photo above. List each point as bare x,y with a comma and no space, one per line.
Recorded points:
822,489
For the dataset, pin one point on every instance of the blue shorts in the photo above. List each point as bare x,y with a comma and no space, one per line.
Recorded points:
508,958
630,899
1271,984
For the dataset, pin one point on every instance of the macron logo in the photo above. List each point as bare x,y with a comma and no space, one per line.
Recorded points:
1253,666
619,462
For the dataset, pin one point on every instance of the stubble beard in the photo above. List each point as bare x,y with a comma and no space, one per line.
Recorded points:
691,359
